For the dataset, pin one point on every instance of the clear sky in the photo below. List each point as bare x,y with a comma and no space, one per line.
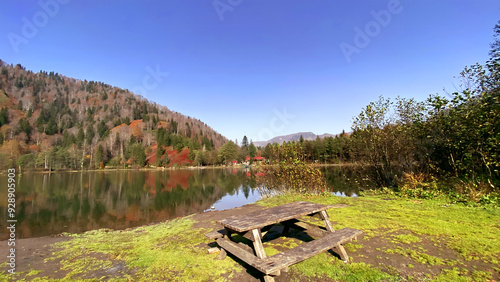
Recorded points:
255,67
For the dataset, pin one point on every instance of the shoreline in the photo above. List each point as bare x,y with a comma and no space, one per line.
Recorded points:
170,168
393,246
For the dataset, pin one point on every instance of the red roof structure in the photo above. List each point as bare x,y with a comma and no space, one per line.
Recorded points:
256,159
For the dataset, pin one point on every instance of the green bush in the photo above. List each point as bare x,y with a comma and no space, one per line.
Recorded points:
292,174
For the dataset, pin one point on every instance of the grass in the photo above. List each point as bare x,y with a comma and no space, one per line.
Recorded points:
416,255
457,274
166,251
325,265
472,232
468,230
174,251
405,239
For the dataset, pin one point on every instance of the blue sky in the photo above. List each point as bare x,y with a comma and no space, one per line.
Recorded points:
258,68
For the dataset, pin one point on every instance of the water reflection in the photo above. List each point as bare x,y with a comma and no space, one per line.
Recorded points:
79,201
345,181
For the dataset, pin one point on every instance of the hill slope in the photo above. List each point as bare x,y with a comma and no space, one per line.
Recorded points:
50,116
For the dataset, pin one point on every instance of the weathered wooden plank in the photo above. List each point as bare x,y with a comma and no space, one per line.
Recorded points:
268,278
222,254
257,244
236,250
305,251
339,249
246,248
326,220
259,219
215,234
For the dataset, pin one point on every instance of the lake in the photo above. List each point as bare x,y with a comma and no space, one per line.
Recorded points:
75,202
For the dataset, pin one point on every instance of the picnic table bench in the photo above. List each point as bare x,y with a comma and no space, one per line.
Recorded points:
252,225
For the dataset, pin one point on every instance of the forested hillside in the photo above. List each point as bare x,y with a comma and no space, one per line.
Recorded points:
50,121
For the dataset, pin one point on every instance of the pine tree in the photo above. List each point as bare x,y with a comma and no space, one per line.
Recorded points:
102,129
89,134
159,155
244,143
99,156
252,151
4,116
80,137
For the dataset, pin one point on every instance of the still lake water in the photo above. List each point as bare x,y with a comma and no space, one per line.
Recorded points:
75,202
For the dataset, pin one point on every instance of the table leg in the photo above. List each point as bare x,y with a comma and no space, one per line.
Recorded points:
326,219
257,244
259,251
268,278
222,254
286,229
339,249
228,232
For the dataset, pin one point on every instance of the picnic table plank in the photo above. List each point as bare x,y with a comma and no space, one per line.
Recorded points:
305,251
259,219
216,234
253,225
236,250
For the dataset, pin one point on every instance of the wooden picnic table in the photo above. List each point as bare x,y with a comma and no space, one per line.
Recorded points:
252,225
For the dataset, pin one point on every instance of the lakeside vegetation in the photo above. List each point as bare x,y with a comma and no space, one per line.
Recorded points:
458,243
446,144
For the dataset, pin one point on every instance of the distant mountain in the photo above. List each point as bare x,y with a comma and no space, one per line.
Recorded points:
327,135
293,137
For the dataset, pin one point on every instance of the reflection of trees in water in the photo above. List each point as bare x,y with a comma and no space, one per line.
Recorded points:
76,202
346,180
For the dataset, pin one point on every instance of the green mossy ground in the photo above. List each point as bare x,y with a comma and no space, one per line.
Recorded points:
402,224
402,229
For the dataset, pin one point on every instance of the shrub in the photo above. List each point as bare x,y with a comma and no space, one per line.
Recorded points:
291,174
